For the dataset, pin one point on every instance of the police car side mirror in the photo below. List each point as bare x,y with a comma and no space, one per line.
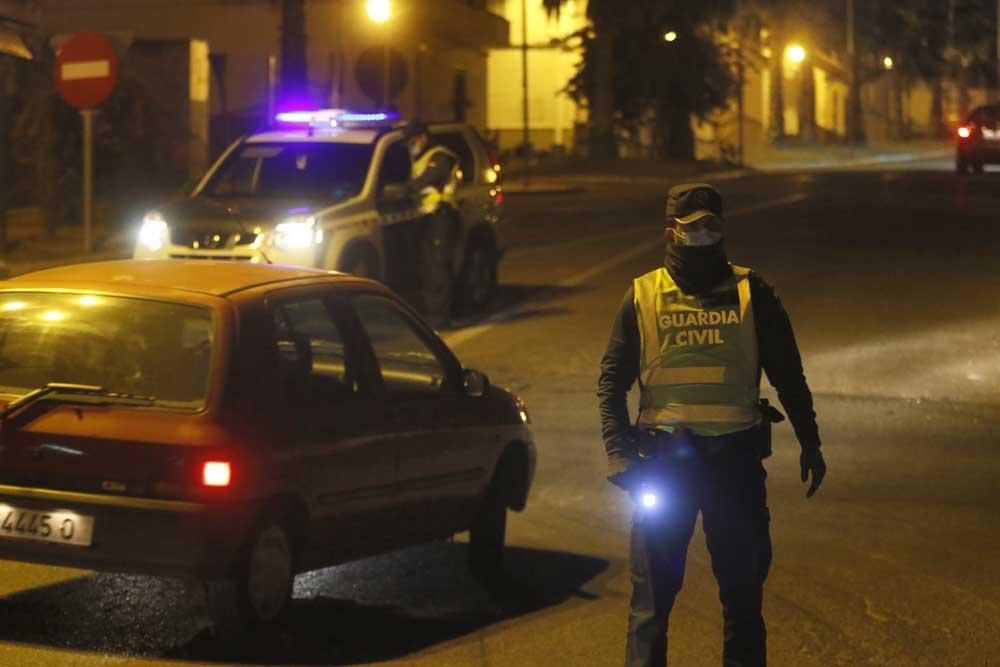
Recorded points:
475,383
394,192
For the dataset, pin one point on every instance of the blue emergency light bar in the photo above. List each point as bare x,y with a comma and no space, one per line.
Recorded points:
332,118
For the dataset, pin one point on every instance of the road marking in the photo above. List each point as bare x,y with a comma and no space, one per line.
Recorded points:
88,69
465,335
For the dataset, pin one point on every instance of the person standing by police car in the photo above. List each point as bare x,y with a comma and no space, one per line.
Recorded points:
696,334
436,174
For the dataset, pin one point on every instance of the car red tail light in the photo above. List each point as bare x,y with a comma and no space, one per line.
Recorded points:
216,473
964,132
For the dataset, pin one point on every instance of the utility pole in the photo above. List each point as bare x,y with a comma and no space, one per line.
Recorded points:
525,120
855,116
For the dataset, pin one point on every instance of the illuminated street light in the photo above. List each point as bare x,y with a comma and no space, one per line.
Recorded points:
795,53
379,11
887,62
670,36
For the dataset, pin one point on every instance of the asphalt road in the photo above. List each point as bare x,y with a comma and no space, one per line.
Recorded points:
891,280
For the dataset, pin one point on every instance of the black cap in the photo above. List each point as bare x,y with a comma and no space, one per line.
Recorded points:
415,128
690,201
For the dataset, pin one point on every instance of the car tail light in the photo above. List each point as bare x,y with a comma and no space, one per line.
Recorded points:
216,473
964,132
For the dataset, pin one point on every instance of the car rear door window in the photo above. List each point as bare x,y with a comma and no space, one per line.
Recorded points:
396,167
407,364
312,349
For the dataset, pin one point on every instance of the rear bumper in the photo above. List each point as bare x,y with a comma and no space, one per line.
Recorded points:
978,151
135,535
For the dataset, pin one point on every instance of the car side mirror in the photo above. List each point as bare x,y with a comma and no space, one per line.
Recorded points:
475,383
394,193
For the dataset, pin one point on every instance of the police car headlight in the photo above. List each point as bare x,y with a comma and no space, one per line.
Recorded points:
296,234
154,233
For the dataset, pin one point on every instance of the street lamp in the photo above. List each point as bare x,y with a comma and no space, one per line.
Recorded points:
795,53
887,62
670,36
379,11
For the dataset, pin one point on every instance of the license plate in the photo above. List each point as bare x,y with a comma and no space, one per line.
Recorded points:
58,526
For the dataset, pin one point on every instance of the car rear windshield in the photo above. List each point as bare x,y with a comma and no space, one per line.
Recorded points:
124,345
315,171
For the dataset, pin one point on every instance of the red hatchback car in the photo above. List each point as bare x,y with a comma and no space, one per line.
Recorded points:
239,423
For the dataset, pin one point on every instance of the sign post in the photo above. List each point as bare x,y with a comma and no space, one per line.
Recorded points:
86,73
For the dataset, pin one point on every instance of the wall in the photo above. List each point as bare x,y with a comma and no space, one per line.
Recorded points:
174,75
552,115
437,39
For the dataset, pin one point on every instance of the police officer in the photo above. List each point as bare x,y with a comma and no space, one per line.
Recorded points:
435,177
696,334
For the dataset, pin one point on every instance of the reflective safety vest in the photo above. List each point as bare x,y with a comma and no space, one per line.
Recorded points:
432,197
699,365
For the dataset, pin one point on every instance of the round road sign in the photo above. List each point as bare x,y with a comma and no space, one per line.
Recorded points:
86,70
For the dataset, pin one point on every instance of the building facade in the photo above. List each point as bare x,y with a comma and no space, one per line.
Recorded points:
553,117
437,52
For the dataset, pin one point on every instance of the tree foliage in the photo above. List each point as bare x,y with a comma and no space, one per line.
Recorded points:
652,79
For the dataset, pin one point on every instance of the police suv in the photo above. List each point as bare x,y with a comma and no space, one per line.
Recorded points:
328,189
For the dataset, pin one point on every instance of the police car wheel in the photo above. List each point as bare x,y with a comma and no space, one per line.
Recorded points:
479,276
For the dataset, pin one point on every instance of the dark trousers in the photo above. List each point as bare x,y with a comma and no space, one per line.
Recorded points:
727,487
437,245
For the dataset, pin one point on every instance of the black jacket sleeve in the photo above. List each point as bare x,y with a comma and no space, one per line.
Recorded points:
619,371
780,360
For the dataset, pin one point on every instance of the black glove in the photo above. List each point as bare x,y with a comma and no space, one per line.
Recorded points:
812,461
624,460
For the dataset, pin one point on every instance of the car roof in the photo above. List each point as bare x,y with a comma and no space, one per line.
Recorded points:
989,108
315,136
200,276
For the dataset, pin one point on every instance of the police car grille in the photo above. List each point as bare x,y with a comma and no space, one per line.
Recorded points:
211,240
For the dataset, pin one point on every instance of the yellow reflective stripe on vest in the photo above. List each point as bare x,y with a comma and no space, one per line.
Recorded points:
699,356
695,375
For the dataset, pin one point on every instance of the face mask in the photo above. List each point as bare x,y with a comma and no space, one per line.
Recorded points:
698,236
706,230
416,148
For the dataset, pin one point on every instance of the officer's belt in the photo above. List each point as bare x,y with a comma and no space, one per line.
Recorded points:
656,443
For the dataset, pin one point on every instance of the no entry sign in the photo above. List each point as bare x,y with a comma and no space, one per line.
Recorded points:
86,70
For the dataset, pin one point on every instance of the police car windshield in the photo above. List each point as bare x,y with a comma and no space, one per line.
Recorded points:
314,171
